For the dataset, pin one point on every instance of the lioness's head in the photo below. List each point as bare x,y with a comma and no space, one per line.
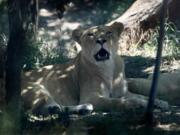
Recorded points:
99,43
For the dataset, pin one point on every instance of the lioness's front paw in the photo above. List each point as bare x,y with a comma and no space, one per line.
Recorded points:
85,109
82,109
56,109
46,110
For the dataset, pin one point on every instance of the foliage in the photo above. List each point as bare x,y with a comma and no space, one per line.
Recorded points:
171,48
172,41
37,53
31,55
3,40
3,5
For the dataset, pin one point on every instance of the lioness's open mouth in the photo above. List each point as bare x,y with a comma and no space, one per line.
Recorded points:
102,55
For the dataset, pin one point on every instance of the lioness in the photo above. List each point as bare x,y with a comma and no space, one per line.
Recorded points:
95,76
168,87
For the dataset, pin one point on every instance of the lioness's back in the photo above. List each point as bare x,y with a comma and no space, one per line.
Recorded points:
59,80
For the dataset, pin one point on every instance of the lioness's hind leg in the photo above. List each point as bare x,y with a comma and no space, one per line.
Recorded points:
106,104
131,101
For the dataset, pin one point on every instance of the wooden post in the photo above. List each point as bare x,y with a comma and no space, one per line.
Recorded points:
149,112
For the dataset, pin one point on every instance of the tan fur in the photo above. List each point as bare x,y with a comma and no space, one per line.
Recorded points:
84,80
168,87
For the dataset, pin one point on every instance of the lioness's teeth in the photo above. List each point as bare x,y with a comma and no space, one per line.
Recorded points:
98,56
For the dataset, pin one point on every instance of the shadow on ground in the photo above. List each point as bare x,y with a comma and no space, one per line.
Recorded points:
137,66
127,122
142,67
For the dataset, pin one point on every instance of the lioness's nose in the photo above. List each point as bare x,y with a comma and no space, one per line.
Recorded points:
101,41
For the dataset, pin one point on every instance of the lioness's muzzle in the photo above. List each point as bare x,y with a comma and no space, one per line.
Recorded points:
102,55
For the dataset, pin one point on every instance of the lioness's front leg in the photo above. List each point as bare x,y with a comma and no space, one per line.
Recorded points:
98,94
108,104
40,102
102,101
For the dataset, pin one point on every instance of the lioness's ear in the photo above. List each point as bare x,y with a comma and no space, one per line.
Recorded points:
76,34
117,27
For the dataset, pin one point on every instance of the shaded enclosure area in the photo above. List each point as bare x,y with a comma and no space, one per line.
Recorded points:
55,45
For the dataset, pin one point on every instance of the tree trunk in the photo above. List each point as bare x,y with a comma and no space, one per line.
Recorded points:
13,66
141,18
35,15
2,73
29,17
22,17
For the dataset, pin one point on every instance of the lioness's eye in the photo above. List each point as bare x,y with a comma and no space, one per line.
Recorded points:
90,35
109,33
